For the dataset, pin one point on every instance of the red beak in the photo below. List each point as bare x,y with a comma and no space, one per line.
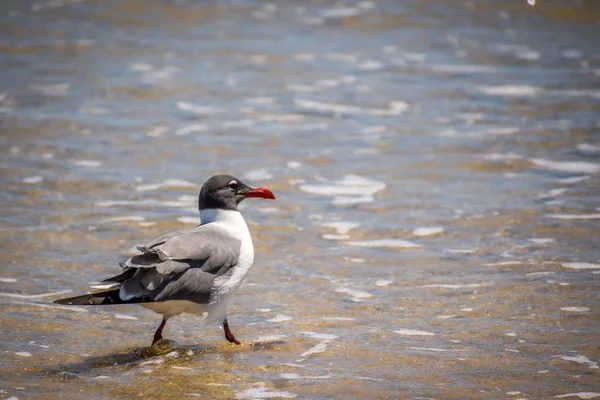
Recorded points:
260,192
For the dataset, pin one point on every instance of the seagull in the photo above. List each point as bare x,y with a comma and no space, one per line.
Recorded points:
194,271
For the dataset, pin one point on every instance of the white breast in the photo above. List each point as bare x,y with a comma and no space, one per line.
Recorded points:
234,224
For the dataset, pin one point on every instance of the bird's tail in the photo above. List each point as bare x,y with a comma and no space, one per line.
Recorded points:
95,299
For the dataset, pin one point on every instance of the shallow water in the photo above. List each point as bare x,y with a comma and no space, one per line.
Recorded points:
437,168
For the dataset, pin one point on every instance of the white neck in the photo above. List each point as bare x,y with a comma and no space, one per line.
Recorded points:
230,220
209,215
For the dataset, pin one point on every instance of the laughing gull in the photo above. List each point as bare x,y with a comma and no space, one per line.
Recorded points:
194,271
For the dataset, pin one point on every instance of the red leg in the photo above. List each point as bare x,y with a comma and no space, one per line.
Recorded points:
228,335
158,333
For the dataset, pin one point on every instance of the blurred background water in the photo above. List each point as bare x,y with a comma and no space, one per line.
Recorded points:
437,171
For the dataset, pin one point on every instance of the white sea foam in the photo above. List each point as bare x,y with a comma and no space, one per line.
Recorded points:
455,286
567,166
30,180
124,218
542,241
270,338
244,123
302,88
189,220
540,273
23,354
434,349
373,130
413,332
183,203
291,376
351,185
428,230
575,309
581,360
294,165
317,335
327,83
580,265
58,89
353,259
52,306
281,118
185,106
357,295
341,227
371,65
588,148
125,316
260,100
260,174
87,163
581,395
592,93
262,392
501,156
319,348
186,130
270,210
395,108
330,236
529,55
575,216
157,131
141,67
499,131
280,318
510,90
33,296
383,282
165,184
93,110
552,193
338,319
351,200
461,251
394,243
573,179
340,12
503,264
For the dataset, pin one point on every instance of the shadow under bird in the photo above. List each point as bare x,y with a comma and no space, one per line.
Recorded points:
194,271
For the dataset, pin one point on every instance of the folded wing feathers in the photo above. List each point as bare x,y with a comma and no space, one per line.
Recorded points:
182,263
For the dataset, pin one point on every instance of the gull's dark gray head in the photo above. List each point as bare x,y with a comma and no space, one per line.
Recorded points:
226,192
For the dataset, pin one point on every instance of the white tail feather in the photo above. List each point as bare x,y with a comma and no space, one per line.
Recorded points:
103,287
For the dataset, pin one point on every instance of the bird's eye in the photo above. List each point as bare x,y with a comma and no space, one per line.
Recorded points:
233,185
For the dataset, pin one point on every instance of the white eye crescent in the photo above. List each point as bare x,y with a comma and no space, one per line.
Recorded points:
233,185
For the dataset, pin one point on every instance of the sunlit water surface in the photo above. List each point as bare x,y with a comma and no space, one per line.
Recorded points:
437,168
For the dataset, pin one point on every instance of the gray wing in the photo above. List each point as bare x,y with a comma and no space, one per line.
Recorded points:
179,265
